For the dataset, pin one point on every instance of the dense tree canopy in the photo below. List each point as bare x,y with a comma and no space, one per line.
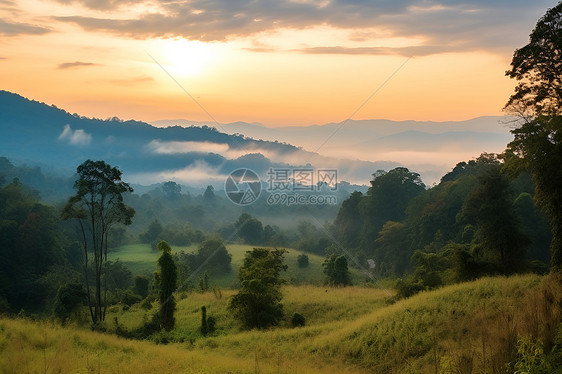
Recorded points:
538,147
362,217
489,207
538,99
538,68
387,199
31,243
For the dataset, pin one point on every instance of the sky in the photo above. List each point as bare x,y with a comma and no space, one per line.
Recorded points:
276,62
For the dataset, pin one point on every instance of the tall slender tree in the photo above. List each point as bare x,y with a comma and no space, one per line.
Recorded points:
97,206
167,279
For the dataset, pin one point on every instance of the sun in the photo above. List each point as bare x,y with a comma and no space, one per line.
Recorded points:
186,58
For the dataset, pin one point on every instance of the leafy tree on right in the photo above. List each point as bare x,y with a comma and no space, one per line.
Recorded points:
537,101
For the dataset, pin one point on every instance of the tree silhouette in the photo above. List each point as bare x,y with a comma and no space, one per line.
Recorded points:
167,281
538,68
97,206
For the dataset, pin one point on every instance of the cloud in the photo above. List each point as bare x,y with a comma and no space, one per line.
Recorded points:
15,29
442,25
199,174
223,149
260,49
174,147
74,65
102,4
423,50
132,81
76,137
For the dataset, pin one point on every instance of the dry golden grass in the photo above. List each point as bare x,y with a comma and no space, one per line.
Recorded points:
464,328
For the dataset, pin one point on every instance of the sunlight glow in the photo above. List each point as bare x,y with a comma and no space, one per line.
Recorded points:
186,58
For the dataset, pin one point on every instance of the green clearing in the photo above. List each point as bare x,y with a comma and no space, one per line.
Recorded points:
141,259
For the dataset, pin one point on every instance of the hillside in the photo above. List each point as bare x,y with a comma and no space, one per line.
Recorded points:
457,328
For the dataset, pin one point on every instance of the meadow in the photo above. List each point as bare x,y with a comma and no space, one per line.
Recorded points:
141,259
469,327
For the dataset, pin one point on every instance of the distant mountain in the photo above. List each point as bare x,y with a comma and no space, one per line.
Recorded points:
197,155
354,131
430,148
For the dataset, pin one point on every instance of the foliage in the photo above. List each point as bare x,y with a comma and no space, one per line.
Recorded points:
211,324
531,358
128,297
212,254
387,200
249,229
537,67
68,300
538,147
302,260
97,206
32,244
118,275
152,234
204,282
391,250
204,328
490,209
311,239
337,273
172,190
298,320
141,285
533,224
258,303
538,100
349,222
209,194
167,279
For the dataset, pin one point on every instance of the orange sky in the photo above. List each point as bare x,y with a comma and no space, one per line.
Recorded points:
290,62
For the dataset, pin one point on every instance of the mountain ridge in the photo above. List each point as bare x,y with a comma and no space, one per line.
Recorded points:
202,155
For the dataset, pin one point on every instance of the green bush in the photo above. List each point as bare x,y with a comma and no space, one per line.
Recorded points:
302,260
298,320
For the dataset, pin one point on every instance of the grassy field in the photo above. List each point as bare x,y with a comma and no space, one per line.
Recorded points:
467,328
141,259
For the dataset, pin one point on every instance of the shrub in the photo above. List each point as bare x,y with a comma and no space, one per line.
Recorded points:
211,324
128,298
298,320
302,260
